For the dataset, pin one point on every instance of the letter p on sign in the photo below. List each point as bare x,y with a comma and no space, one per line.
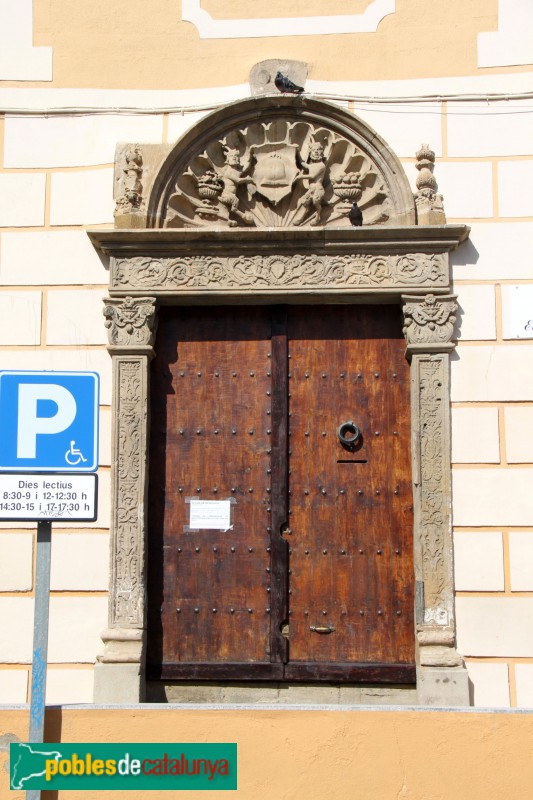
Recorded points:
49,421
29,396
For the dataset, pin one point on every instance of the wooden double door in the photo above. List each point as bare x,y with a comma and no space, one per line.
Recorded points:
297,417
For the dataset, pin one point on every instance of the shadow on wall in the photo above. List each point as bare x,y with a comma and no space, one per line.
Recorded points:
465,254
104,259
457,327
471,692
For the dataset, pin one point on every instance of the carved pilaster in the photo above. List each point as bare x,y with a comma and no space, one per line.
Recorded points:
131,323
429,323
129,462
433,527
428,328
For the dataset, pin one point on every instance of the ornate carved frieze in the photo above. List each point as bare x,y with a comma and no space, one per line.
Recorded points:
130,322
296,271
429,322
277,173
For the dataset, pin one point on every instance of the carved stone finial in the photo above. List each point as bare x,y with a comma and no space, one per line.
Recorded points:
130,321
426,164
429,322
429,204
130,197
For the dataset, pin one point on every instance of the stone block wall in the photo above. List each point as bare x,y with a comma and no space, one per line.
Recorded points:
56,179
492,410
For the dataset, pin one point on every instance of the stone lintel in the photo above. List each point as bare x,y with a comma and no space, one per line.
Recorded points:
371,238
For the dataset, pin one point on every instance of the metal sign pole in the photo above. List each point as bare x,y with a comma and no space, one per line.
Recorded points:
40,639
47,466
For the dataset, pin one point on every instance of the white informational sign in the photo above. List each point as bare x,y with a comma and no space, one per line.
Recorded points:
57,498
210,515
517,301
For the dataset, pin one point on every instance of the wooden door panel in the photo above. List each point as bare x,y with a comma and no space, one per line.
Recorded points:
225,388
350,511
211,437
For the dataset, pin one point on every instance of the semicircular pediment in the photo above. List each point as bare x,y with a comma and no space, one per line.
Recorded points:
280,161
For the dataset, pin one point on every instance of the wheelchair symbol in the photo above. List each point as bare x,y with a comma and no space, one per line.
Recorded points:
73,455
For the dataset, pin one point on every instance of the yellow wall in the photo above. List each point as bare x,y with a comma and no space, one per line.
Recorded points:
138,45
324,755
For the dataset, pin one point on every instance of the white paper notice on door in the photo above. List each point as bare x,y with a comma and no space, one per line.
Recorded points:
210,514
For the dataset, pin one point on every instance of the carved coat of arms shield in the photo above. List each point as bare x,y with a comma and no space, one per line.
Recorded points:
275,169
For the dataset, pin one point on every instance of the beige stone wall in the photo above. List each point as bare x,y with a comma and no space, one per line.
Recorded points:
56,180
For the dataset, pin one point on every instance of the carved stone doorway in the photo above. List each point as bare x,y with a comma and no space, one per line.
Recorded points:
251,207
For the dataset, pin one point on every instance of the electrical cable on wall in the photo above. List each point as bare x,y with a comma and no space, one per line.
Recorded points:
362,100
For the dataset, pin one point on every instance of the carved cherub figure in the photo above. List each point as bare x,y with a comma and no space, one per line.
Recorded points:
132,168
315,174
233,174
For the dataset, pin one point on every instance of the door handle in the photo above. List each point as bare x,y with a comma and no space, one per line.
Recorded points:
353,431
322,628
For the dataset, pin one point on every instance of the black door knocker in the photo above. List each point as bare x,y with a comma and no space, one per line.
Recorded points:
349,435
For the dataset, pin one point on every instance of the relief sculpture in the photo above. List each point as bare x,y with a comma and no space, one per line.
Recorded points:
212,273
277,174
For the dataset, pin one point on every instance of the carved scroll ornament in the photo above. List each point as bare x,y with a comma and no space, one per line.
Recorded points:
130,322
277,174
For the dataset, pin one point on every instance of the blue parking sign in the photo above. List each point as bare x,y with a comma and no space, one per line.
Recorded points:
49,421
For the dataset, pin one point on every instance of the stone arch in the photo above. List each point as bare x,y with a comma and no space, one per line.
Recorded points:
359,165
